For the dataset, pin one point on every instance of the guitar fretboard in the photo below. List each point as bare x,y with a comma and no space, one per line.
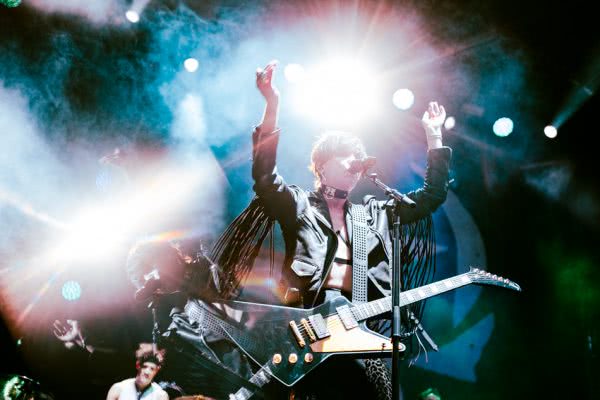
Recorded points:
377,307
261,378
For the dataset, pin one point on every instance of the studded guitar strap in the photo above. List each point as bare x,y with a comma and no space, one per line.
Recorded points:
359,253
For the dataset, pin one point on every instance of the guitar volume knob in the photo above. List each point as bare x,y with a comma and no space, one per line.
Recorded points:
293,358
277,358
308,358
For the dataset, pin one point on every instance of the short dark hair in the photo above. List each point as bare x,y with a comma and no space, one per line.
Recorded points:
146,353
147,255
334,144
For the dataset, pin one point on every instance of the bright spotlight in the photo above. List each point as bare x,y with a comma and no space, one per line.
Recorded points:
132,16
503,127
191,64
550,131
71,290
403,99
294,73
449,123
341,92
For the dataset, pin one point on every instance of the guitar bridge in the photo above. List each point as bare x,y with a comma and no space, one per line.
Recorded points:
297,334
308,329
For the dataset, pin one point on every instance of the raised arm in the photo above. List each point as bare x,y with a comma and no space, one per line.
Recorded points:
433,192
264,83
277,197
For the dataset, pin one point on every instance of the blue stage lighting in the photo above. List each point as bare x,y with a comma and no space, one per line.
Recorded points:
71,290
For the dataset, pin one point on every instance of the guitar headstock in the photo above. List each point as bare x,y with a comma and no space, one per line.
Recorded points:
482,277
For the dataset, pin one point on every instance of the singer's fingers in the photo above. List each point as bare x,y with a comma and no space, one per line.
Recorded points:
59,327
272,64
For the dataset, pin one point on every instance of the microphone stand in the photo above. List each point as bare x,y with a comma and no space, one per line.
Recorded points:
153,305
397,201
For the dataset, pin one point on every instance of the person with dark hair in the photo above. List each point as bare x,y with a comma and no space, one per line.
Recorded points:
202,360
148,363
332,246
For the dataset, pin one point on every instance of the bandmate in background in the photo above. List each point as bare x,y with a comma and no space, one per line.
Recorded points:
317,229
202,361
142,387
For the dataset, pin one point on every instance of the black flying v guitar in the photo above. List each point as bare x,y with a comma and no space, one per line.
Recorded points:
290,342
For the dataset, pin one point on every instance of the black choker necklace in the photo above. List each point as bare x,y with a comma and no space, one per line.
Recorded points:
331,192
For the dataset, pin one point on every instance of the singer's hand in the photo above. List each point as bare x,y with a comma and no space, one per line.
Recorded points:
264,81
64,333
432,121
70,335
434,118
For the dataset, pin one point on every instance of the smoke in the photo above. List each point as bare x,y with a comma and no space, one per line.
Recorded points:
76,88
96,11
28,169
550,180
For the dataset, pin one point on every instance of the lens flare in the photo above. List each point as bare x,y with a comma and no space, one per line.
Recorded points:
132,16
403,99
191,64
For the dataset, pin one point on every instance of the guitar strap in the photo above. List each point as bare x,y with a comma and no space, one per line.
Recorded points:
198,313
359,253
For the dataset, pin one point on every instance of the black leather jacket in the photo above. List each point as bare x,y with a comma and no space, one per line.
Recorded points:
309,238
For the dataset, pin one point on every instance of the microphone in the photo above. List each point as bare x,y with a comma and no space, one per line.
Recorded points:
363,165
150,288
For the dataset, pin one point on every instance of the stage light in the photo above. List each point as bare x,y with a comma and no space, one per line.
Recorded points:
550,131
132,16
294,73
71,290
403,99
191,64
449,123
503,127
10,3
337,93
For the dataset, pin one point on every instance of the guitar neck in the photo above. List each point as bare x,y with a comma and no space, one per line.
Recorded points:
381,306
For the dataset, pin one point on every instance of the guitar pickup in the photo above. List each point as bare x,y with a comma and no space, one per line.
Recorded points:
319,326
347,318
297,334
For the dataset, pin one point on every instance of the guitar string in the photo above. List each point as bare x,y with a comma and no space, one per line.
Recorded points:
427,289
330,322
